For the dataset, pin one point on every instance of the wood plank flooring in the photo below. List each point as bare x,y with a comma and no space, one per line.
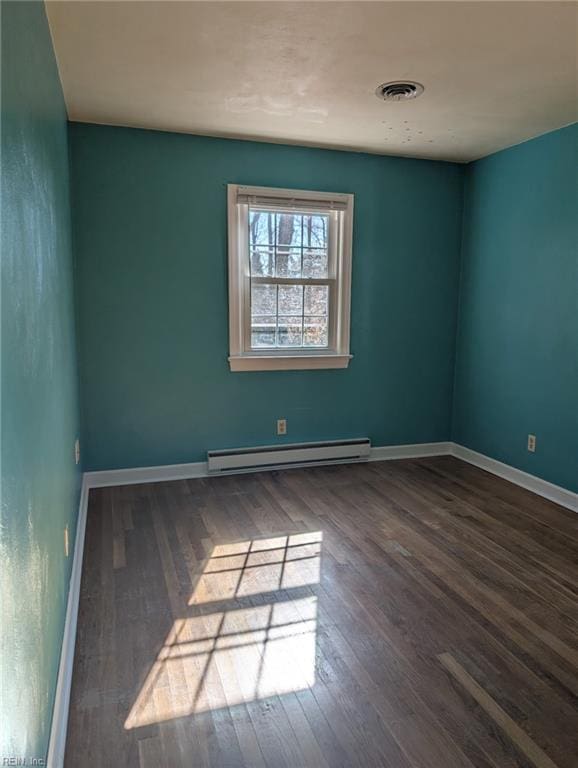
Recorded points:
409,614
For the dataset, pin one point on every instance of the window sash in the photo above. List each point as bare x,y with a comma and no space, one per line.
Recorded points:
331,281
263,279
331,315
332,238
242,356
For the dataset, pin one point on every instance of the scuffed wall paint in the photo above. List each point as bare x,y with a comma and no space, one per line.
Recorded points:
40,481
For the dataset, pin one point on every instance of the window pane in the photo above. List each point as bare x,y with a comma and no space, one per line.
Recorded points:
263,300
316,300
315,332
289,316
289,333
314,262
289,229
263,331
315,229
263,262
290,300
261,228
288,244
288,262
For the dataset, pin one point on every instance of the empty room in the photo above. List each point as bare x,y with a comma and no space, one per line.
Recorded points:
289,384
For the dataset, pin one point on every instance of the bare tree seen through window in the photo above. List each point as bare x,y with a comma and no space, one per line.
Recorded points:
288,246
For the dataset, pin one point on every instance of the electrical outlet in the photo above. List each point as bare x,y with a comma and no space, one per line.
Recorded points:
77,451
66,541
281,426
532,443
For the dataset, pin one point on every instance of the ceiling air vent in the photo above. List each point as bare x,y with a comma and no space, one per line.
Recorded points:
399,90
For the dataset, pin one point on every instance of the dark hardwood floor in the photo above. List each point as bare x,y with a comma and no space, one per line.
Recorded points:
414,613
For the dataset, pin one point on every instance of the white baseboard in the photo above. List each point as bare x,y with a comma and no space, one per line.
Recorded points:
380,453
57,743
532,483
411,451
160,474
137,475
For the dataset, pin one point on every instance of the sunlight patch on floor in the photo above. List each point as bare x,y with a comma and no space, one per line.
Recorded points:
238,655
255,567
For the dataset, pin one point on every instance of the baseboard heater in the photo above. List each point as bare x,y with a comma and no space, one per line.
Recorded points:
291,455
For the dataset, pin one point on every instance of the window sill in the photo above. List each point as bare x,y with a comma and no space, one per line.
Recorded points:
287,362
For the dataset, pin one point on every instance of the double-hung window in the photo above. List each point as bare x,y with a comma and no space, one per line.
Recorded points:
289,278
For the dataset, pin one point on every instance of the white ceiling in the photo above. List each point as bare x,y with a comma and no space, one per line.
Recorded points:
495,73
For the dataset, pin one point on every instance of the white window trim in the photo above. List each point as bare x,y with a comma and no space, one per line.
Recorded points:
241,358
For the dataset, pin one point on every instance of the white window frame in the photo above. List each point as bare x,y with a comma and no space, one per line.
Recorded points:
337,355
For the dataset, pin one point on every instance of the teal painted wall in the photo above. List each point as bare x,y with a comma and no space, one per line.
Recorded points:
517,360
40,482
150,229
150,233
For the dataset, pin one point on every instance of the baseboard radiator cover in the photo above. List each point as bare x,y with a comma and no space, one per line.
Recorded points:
287,455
